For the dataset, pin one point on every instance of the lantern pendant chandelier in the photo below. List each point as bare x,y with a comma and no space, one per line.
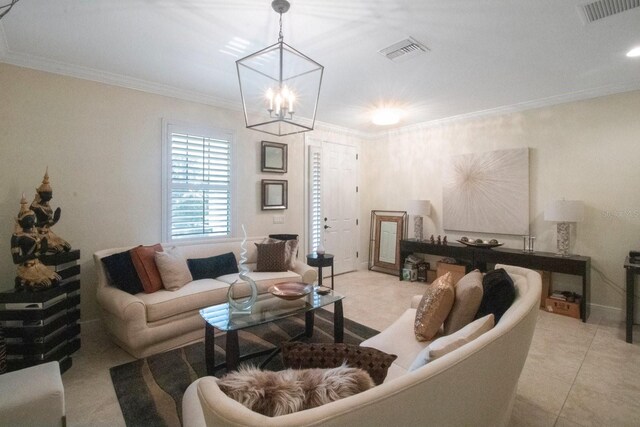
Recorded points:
279,86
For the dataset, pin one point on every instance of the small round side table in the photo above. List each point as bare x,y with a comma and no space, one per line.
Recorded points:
316,260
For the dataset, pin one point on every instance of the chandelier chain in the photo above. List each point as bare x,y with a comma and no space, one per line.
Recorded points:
280,36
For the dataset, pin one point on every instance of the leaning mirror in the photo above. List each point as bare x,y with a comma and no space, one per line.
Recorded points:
274,194
274,157
387,229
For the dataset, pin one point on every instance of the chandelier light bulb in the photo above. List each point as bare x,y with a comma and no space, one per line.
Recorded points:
385,116
634,53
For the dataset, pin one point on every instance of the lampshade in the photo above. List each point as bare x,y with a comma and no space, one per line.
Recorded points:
280,86
419,207
564,211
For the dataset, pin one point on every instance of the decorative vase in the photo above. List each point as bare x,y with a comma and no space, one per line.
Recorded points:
243,305
320,249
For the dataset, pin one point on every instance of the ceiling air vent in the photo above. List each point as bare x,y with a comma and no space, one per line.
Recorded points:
404,50
602,8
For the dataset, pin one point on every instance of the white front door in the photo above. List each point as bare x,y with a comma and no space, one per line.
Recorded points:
339,205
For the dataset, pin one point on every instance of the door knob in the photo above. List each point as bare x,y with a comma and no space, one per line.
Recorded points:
326,226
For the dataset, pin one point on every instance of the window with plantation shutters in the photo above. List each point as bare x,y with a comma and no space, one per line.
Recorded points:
315,198
197,184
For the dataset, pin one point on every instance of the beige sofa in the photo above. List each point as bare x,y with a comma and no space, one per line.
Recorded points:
473,385
145,324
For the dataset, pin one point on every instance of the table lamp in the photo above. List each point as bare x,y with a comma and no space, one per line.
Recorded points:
418,208
564,212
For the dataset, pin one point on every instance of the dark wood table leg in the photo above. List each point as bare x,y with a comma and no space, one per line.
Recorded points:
232,351
630,297
320,275
338,322
332,275
309,318
209,348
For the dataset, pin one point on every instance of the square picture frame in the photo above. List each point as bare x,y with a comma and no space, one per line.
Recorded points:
274,157
274,194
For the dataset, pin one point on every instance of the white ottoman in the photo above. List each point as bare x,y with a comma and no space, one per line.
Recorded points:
32,397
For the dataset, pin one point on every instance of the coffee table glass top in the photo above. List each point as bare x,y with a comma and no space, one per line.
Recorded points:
266,309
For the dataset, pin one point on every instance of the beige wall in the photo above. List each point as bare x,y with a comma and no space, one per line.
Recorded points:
103,147
585,150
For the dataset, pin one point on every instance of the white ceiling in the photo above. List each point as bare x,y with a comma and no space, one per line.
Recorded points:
491,55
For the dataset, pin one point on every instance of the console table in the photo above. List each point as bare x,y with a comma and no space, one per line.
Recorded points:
633,269
480,257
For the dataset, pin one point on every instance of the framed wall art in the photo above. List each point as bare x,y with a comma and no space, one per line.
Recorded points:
274,157
274,194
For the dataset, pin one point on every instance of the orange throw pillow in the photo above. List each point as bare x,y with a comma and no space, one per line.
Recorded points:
144,261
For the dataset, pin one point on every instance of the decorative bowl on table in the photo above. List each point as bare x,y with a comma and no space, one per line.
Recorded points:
479,243
291,290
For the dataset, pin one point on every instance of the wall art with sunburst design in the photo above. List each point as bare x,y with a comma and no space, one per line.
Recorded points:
487,192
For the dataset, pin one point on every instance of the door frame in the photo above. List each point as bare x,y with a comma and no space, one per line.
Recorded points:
311,141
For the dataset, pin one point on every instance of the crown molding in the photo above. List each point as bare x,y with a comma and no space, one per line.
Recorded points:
86,73
329,127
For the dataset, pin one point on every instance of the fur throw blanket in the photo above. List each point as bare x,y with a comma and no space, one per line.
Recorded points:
284,392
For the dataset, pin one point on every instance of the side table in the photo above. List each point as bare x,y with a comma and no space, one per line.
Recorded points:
633,269
324,260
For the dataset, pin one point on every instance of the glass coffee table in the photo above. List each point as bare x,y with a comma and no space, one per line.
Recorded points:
266,309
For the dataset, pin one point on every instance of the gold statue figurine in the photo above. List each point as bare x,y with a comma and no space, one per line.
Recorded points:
47,218
26,246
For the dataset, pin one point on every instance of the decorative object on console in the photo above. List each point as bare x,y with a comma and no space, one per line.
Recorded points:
434,308
46,217
528,243
299,355
387,229
274,194
292,80
487,192
244,270
479,243
564,212
273,157
26,247
418,208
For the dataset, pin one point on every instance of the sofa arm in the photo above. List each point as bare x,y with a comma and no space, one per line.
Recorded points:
308,274
32,397
121,304
415,301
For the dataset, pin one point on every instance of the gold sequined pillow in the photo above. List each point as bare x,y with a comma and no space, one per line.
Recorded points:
434,307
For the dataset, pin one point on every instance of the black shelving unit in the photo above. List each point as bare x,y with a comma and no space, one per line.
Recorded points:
44,326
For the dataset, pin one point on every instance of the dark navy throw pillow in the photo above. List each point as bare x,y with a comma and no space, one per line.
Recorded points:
499,294
122,273
212,267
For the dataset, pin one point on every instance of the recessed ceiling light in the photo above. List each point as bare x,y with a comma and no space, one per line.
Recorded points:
386,116
634,53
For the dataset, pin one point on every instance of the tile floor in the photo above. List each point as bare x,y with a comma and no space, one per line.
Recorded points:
576,374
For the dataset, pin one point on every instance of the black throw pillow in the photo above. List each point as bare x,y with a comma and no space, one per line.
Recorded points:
122,273
499,294
212,267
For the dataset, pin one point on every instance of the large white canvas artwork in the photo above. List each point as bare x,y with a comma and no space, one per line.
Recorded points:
487,192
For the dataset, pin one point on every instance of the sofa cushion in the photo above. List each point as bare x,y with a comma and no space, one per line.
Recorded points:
434,307
173,269
299,355
212,267
144,261
499,293
193,296
448,343
122,274
285,392
272,256
399,339
466,303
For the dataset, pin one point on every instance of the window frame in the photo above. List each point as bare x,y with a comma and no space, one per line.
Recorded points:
174,126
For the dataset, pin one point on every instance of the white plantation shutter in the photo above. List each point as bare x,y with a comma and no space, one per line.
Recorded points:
199,184
315,198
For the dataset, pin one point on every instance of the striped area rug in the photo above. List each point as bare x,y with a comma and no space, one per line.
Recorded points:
150,390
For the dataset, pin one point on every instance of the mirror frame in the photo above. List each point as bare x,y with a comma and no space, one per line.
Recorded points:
283,184
283,148
377,217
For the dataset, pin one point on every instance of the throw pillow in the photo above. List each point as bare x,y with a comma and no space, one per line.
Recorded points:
271,256
448,343
284,392
466,303
212,267
499,292
298,355
173,269
434,307
290,250
122,274
144,261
